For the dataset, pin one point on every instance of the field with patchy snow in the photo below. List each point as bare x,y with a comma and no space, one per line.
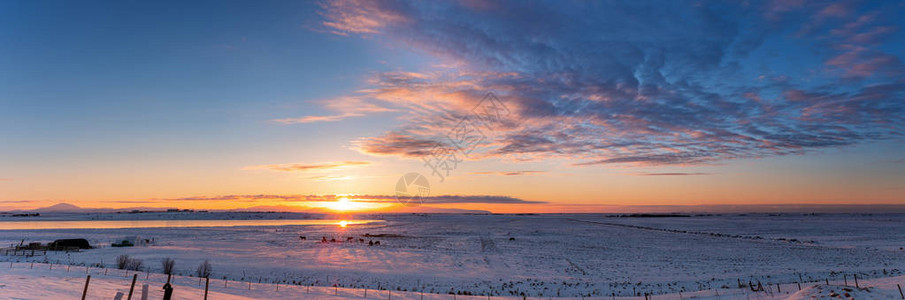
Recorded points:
511,255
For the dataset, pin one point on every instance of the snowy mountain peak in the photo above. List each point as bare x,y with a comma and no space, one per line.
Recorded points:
60,207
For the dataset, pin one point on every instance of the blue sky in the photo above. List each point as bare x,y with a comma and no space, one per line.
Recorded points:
144,102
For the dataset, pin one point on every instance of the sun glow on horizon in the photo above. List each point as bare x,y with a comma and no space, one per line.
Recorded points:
345,204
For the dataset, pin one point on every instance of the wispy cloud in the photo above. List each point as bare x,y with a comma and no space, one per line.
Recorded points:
17,201
668,89
331,178
131,201
363,17
394,143
326,166
443,199
314,119
673,174
348,107
508,173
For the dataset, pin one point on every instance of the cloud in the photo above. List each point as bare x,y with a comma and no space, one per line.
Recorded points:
509,173
131,201
348,107
442,199
673,174
310,167
651,160
313,119
600,84
362,16
331,178
5,179
395,143
449,199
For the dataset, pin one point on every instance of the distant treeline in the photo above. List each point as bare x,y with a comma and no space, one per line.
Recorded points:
653,216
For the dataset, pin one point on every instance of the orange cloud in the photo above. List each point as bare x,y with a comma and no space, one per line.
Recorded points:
509,173
441,199
348,107
361,17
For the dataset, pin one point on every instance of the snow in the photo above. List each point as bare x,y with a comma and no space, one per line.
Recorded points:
503,255
43,281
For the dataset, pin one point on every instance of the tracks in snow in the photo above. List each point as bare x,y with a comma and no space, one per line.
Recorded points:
702,233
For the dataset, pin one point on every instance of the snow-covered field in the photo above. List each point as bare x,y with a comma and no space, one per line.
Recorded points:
500,255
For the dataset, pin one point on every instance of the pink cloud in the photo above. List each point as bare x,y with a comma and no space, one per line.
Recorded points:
509,173
348,107
615,99
361,16
314,119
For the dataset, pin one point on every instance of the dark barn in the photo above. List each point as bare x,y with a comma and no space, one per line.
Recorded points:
70,243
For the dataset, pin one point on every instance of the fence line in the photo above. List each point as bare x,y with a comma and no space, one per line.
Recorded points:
273,289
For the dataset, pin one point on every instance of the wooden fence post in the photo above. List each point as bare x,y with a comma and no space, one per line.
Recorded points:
132,288
207,281
856,281
85,291
845,277
900,290
144,291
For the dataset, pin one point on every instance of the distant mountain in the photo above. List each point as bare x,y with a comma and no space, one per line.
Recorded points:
60,207
70,208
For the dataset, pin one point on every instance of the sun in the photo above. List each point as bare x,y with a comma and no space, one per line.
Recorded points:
347,203
344,204
343,223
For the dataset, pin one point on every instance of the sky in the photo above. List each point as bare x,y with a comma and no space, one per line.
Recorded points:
503,106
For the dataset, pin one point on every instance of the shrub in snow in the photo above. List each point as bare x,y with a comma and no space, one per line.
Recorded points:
204,269
124,262
168,264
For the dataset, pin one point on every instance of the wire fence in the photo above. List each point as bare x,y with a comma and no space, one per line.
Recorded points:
105,283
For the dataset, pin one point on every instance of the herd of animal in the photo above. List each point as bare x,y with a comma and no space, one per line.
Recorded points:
349,239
